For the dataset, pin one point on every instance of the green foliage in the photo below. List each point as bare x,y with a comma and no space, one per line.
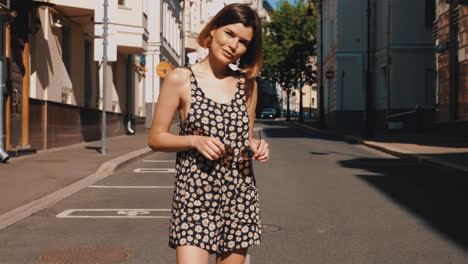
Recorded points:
289,44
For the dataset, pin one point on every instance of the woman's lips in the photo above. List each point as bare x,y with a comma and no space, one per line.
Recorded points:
228,54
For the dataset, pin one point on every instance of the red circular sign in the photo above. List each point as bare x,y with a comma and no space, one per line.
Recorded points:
330,75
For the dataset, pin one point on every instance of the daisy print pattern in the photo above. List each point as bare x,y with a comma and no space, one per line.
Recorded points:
215,203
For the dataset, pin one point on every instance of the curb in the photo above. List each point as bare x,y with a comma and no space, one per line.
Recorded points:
404,154
106,169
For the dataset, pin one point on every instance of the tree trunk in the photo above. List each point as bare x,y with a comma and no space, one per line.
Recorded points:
287,104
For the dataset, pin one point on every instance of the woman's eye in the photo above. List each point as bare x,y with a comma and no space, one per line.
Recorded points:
229,33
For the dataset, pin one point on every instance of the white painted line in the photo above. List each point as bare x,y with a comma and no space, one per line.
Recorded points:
158,160
154,170
118,213
248,259
130,187
106,169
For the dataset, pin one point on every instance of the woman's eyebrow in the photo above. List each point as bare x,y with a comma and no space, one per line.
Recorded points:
230,30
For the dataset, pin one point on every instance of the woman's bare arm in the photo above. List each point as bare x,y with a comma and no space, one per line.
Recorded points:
259,146
170,98
251,91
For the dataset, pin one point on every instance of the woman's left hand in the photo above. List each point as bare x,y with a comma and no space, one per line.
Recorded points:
260,149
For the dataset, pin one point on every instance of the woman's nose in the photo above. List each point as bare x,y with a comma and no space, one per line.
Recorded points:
233,44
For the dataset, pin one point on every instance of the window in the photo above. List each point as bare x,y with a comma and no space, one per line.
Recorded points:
430,12
121,2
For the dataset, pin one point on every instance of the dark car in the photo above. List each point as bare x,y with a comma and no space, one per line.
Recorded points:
268,113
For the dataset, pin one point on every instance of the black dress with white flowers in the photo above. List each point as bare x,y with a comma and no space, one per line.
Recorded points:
215,204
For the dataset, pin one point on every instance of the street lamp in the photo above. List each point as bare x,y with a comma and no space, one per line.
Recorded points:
320,102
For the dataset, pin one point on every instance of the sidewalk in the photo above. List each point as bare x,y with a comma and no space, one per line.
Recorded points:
31,183
446,151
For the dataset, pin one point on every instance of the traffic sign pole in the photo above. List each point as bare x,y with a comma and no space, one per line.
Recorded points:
104,78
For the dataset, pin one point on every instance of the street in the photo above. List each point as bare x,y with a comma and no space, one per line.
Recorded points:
322,201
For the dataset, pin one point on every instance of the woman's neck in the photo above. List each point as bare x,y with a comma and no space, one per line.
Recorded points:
214,67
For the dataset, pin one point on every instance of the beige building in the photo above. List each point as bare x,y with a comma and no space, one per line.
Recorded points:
165,44
451,36
402,60
52,45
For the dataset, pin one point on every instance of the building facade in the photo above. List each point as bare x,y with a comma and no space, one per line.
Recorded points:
54,85
398,40
165,44
451,39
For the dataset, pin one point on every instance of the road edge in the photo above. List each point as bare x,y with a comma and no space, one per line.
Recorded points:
420,158
106,169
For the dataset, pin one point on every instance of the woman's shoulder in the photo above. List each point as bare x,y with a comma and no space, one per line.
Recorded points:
178,75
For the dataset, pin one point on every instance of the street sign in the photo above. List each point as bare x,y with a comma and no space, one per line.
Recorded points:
163,69
330,75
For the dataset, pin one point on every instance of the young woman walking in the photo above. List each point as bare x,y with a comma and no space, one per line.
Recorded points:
215,208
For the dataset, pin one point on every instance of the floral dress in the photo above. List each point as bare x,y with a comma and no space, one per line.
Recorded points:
215,203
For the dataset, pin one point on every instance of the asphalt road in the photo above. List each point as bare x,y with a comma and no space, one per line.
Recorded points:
322,201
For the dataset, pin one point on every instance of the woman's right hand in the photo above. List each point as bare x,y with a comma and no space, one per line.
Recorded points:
210,147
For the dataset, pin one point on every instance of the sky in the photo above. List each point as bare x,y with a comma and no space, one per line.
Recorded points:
275,3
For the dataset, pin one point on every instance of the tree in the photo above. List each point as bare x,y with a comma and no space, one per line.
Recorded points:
289,45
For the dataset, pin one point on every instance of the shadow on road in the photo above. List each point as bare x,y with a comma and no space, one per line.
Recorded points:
437,196
280,129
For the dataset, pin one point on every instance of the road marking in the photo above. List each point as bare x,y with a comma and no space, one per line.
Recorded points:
117,213
154,170
158,160
248,259
131,187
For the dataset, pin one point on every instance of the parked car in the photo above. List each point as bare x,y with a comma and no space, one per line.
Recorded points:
268,113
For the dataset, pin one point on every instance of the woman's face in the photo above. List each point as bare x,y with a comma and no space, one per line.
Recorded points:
230,42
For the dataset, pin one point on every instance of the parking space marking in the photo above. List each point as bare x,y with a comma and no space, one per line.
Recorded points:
158,160
154,170
130,187
115,213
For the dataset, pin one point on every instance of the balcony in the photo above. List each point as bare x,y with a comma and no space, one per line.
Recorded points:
191,42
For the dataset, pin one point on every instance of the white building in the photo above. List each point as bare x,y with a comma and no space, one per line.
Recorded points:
61,81
402,62
165,44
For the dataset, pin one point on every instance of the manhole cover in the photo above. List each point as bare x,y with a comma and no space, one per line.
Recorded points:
87,256
270,228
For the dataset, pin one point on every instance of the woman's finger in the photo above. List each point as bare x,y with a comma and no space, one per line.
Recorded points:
220,146
217,150
212,153
206,155
262,148
265,155
255,145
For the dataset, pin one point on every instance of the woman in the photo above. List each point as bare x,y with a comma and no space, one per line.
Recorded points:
215,205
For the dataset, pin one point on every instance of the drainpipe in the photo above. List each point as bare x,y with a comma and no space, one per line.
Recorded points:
3,154
453,61
389,56
369,96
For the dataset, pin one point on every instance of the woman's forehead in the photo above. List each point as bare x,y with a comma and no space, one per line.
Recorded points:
240,30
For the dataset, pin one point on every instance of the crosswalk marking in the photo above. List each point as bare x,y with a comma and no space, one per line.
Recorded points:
113,213
158,161
130,187
154,170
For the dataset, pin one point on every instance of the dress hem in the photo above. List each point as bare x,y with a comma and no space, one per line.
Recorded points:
174,245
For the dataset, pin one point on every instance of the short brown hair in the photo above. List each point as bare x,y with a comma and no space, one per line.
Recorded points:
251,62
